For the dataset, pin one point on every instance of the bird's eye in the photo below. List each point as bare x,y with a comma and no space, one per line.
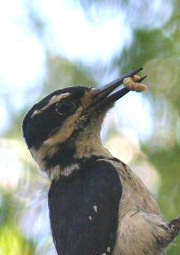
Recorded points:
65,108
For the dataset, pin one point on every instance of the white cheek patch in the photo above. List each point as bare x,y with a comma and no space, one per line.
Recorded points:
54,99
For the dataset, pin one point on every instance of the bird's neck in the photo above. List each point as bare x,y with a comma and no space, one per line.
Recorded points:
90,145
63,159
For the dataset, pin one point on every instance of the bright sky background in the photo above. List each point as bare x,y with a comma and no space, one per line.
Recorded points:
68,33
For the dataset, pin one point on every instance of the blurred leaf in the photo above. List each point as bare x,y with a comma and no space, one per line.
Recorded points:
63,73
147,45
164,79
168,164
12,242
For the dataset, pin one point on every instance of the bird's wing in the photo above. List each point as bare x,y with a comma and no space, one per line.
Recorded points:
84,220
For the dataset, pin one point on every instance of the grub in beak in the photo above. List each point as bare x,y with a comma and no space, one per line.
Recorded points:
105,97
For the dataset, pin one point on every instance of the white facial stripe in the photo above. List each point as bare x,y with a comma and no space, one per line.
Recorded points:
54,99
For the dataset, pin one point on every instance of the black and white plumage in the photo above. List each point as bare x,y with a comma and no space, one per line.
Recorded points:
97,205
89,224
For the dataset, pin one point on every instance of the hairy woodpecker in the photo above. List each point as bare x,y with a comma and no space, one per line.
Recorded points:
97,205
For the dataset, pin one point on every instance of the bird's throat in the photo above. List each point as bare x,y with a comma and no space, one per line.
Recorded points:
63,159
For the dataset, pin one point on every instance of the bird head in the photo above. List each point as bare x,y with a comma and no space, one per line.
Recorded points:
64,127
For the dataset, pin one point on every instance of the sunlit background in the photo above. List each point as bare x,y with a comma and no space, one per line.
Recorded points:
50,44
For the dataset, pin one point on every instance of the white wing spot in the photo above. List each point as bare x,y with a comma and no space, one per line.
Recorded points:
95,208
108,249
90,217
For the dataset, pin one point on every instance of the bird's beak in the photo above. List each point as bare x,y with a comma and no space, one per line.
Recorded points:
105,97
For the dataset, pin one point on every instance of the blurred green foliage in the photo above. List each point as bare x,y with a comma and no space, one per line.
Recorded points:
12,242
158,50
